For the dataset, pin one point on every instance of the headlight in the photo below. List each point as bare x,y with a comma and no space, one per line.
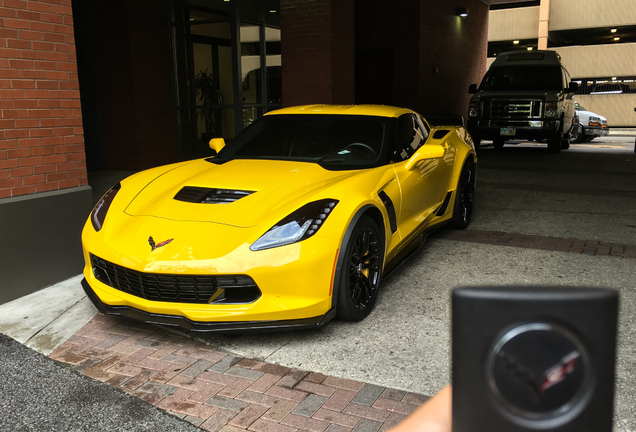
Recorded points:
300,225
594,121
473,109
551,109
99,212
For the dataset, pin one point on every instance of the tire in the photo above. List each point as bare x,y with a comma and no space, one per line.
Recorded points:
554,143
565,142
464,197
577,134
498,143
361,271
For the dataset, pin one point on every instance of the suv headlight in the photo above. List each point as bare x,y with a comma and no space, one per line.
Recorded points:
298,226
473,109
99,212
551,109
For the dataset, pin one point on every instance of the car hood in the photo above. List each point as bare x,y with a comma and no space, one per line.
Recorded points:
275,188
587,114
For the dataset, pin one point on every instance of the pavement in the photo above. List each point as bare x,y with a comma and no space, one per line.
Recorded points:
541,219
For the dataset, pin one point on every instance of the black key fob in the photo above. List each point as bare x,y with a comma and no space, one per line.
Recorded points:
533,358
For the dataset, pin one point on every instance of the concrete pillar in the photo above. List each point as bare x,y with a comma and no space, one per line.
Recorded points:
544,24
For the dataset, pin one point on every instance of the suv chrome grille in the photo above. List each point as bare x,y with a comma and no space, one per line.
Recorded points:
515,110
177,288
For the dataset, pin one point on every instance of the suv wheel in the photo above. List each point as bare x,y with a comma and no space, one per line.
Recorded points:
554,143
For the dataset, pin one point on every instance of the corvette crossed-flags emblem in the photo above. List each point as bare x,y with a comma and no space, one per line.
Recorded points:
154,245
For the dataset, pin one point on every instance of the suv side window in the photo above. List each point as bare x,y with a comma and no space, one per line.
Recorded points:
566,78
412,133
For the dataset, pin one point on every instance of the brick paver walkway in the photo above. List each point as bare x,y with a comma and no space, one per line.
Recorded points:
576,246
218,391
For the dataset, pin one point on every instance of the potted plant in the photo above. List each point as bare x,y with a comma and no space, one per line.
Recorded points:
206,95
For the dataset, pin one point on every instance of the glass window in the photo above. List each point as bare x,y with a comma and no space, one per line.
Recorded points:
529,78
223,84
412,133
335,142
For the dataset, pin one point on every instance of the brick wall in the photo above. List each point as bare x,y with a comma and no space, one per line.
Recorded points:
317,51
41,136
453,54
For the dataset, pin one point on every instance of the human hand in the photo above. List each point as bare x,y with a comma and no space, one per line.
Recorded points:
433,416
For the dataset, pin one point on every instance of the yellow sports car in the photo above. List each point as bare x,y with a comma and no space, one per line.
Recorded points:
292,223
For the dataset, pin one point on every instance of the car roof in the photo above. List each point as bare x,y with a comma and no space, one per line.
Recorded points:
369,110
528,58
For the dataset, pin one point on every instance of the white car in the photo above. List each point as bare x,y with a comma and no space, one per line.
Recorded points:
587,125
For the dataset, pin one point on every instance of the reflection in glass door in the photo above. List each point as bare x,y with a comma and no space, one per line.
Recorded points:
226,70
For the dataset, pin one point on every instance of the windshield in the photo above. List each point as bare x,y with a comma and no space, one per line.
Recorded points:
336,142
578,107
530,78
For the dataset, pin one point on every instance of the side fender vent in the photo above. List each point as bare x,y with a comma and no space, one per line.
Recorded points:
444,205
200,195
390,209
439,134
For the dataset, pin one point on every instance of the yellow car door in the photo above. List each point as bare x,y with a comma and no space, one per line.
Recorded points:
423,173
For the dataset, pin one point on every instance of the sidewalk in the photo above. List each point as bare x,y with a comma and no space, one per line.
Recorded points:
200,384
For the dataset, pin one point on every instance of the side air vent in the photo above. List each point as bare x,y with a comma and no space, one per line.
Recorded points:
200,195
439,134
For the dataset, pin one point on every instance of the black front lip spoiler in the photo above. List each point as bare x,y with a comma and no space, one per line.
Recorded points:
205,326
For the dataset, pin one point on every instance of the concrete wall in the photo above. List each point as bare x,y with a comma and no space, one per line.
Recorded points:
577,14
513,24
599,60
40,238
617,108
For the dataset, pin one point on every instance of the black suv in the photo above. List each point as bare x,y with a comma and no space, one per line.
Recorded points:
524,95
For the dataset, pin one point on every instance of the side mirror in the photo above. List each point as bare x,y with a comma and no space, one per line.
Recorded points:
425,152
472,89
573,87
217,144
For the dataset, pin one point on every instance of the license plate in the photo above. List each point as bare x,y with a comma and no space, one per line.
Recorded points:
509,131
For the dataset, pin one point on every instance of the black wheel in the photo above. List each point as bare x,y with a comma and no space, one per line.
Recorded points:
361,272
464,197
554,143
577,134
498,143
565,142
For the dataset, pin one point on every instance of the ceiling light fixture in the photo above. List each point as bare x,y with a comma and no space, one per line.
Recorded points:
515,42
617,38
613,30
461,11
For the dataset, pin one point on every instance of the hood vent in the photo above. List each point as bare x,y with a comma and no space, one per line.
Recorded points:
200,195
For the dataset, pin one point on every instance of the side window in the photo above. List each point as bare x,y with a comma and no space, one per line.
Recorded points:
566,78
412,133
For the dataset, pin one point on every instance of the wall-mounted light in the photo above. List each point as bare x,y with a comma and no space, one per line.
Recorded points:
461,11
515,42
613,30
617,38
529,48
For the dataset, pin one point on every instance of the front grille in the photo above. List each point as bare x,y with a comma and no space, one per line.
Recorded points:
201,195
515,110
201,289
